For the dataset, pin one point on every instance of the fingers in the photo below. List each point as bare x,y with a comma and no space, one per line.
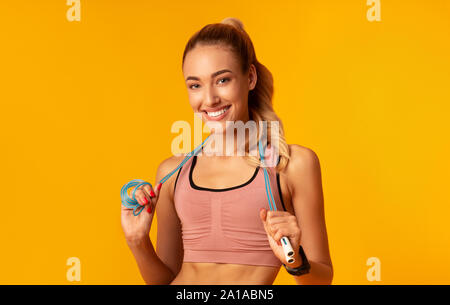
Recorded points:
274,229
275,220
155,195
279,223
150,195
158,189
143,194
141,197
154,198
274,217
264,217
275,214
149,190
279,231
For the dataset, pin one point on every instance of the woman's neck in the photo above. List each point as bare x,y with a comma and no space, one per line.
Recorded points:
227,145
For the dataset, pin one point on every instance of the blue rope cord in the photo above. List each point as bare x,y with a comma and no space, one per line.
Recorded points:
132,203
269,194
188,156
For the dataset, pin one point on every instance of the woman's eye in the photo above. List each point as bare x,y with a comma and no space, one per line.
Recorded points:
224,79
221,81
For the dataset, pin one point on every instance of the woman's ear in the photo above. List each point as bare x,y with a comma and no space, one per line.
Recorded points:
252,77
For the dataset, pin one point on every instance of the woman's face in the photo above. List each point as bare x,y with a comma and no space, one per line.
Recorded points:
217,87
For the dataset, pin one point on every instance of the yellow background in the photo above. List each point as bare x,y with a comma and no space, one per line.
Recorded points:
87,106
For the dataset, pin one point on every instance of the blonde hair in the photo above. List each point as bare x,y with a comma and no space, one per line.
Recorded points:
231,32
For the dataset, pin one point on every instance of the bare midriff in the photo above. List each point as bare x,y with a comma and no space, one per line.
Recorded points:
224,274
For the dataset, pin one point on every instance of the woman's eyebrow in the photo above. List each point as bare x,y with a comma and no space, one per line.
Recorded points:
212,75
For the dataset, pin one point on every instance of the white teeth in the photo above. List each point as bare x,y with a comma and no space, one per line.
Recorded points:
217,113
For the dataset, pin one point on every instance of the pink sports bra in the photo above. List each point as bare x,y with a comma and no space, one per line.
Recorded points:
223,225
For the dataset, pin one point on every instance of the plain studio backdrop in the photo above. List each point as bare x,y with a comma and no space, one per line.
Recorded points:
87,105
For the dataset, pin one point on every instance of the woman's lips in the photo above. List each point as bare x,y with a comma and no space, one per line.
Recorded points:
219,117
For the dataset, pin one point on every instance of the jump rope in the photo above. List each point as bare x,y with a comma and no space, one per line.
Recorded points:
132,203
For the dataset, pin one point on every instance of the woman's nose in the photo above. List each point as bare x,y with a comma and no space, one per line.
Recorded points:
211,98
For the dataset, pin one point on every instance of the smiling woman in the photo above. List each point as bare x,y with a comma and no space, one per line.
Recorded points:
213,226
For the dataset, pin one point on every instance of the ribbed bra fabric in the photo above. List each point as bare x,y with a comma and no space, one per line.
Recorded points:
223,225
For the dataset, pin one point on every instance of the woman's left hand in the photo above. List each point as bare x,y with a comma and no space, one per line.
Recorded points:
278,224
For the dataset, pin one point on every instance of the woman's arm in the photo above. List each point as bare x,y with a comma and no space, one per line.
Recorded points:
152,269
305,186
160,267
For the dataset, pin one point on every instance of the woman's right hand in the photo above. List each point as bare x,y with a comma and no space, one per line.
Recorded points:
137,228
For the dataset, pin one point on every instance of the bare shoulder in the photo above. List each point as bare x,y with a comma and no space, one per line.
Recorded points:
302,156
303,164
164,168
167,165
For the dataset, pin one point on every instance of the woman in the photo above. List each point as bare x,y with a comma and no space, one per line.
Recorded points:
213,223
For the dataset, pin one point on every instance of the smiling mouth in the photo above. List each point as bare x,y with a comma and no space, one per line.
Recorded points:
216,114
